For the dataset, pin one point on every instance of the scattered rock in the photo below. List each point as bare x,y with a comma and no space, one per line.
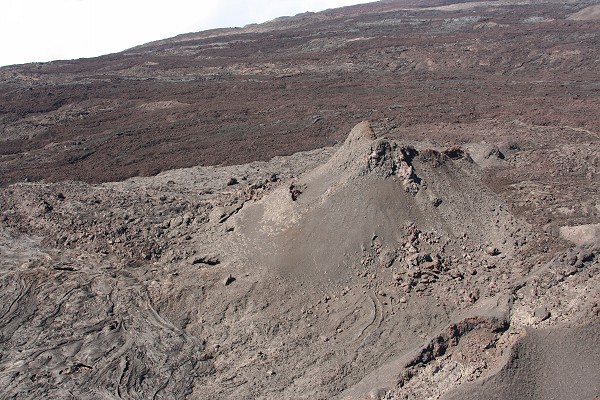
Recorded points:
208,260
457,153
46,207
378,394
418,259
493,152
295,191
387,258
514,146
492,251
541,313
581,234
433,157
229,280
585,256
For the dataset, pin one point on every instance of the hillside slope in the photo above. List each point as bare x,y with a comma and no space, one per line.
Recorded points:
399,200
237,95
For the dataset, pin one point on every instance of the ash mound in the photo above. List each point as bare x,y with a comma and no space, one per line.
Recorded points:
370,191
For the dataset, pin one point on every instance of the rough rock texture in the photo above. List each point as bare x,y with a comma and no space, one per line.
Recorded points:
232,96
563,363
338,278
447,248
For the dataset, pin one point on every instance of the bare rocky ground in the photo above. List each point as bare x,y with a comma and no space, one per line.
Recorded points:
376,268
233,96
425,255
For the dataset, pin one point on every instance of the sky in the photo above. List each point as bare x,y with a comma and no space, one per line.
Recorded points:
45,30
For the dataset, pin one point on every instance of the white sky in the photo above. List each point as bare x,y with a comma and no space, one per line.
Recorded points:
44,30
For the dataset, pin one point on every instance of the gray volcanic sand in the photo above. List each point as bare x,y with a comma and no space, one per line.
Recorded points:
559,363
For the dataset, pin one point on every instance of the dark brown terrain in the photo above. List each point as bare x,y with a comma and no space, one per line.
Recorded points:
231,96
397,200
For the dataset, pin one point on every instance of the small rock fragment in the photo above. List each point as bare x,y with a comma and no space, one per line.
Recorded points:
541,313
492,251
456,153
207,260
493,152
378,394
229,280
46,207
295,191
